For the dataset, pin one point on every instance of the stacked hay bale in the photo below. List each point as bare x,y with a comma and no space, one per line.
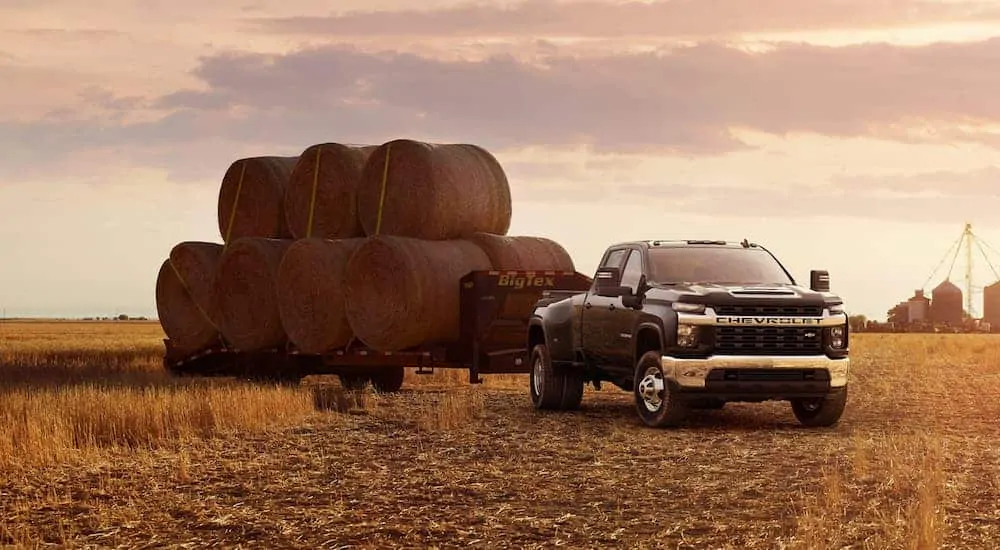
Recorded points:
185,301
251,198
433,213
348,243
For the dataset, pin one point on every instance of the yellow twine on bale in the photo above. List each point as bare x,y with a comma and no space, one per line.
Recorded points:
381,197
187,289
236,200
312,200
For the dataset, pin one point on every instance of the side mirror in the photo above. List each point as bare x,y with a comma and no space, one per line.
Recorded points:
609,282
630,300
819,280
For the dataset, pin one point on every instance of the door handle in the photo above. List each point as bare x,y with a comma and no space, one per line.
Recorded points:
587,305
611,307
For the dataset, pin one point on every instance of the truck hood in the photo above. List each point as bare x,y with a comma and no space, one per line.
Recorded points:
722,294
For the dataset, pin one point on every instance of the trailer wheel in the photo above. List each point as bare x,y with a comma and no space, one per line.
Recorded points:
551,389
353,381
657,403
388,380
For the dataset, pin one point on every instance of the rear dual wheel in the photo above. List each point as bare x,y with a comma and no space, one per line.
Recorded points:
553,389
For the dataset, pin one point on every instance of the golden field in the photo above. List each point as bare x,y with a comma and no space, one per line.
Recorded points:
99,447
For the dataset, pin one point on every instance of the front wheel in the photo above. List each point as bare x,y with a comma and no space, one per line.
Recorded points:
820,411
552,390
657,403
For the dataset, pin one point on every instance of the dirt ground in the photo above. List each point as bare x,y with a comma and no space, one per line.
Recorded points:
914,463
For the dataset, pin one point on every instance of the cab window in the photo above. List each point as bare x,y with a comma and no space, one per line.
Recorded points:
632,271
614,258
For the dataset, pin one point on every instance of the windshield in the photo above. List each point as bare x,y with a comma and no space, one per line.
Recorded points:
691,264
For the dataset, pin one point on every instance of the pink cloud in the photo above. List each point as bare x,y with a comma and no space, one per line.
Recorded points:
596,18
682,101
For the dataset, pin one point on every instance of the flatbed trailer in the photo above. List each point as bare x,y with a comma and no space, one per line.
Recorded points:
494,311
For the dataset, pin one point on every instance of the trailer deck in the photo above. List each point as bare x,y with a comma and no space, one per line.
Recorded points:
494,310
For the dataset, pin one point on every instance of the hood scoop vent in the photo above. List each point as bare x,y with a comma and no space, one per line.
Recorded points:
762,291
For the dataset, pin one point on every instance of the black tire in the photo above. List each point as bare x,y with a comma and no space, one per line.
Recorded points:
552,390
820,412
572,391
388,380
657,409
353,381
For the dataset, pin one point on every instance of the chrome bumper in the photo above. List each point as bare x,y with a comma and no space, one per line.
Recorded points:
692,373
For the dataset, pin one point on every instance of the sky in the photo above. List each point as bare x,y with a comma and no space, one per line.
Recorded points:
847,135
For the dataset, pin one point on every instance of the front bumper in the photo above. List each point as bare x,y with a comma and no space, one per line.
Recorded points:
757,373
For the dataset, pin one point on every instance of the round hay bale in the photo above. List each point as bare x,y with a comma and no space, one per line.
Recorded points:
327,197
404,292
523,253
196,262
310,288
254,208
246,295
184,302
433,191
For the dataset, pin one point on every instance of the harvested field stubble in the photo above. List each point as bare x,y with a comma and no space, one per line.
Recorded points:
433,191
327,198
913,464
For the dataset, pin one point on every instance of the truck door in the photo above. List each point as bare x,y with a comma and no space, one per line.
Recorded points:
625,319
597,318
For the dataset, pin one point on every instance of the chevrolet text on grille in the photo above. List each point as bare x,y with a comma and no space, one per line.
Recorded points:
731,320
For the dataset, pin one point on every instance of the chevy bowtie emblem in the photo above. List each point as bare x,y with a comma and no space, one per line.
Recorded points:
810,335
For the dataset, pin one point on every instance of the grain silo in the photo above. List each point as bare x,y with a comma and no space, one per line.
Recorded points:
991,304
946,304
919,307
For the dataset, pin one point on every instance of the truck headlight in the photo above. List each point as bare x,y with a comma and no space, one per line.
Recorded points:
684,307
837,337
687,336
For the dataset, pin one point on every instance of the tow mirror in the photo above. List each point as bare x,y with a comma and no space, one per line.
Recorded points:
630,300
819,280
608,282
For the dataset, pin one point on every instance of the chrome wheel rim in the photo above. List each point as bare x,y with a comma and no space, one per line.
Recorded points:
537,376
651,389
812,405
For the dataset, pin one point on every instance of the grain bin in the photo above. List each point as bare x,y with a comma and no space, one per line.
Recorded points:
991,304
946,304
919,307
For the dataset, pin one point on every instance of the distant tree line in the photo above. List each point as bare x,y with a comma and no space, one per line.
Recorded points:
120,317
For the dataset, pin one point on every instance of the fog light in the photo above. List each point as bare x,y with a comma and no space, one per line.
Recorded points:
687,336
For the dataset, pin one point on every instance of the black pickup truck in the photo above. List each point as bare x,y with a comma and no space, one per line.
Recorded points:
693,324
